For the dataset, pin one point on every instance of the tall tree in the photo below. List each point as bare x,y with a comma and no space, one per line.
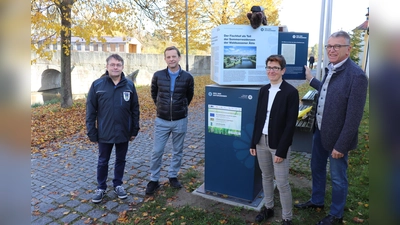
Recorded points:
205,15
356,39
235,11
58,20
176,26
66,89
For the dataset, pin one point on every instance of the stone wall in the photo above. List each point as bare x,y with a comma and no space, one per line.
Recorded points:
88,66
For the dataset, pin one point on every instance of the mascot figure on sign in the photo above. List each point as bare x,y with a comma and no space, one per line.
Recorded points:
257,17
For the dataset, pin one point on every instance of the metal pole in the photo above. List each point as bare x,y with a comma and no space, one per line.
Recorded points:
321,37
187,44
327,31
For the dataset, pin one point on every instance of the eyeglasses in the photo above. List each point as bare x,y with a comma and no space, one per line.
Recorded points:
336,47
117,65
275,69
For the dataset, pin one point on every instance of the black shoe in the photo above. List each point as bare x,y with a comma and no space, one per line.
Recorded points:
175,183
287,222
330,220
152,186
264,214
307,205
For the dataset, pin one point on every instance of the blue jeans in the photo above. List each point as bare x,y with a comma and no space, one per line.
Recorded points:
163,129
105,150
338,169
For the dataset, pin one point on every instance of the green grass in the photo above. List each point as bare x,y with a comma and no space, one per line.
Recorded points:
157,210
303,89
160,211
50,102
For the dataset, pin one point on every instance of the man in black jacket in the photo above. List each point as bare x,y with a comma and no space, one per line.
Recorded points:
172,91
112,118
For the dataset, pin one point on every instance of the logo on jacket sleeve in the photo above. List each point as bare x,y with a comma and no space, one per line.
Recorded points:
127,95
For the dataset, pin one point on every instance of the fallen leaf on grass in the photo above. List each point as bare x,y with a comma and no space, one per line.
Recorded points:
137,220
358,220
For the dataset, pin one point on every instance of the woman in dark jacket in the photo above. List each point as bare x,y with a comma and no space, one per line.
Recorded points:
274,125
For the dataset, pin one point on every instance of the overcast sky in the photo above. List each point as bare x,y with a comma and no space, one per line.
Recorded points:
305,16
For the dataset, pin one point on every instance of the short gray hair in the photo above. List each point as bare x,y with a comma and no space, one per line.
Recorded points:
343,34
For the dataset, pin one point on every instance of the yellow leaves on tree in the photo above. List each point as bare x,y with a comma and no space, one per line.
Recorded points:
205,15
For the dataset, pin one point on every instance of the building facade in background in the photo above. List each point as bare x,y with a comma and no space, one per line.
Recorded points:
111,44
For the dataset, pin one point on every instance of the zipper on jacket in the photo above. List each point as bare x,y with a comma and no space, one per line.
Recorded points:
170,105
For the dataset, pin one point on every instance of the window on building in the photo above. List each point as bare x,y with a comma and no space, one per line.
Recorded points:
132,48
55,46
78,47
121,48
95,47
112,47
105,49
87,48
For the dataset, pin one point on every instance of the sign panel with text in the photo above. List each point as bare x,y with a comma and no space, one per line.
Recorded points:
238,53
294,47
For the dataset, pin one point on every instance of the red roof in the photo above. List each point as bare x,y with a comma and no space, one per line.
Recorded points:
363,26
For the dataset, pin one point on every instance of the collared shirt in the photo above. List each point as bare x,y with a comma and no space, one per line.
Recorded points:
323,91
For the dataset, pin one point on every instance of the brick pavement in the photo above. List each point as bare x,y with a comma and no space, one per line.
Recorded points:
62,183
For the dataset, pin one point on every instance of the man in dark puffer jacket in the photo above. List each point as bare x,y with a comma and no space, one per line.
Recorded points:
172,91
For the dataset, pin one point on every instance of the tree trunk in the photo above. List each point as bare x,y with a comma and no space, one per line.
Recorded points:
66,90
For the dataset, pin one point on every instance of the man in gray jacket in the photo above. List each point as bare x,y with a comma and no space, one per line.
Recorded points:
341,101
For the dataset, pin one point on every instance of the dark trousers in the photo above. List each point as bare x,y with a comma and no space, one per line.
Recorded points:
338,172
105,150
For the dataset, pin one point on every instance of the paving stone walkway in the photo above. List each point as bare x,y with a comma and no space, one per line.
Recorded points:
62,183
